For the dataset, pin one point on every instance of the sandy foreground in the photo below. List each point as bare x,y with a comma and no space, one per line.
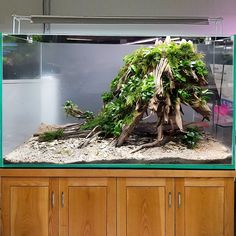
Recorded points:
208,150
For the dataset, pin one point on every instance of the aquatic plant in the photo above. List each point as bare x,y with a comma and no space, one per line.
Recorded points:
191,137
71,109
51,135
156,81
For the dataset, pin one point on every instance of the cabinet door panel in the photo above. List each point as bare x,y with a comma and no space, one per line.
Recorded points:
145,207
29,211
204,211
26,208
203,207
146,211
87,210
89,207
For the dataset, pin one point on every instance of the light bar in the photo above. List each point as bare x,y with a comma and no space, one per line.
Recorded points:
37,19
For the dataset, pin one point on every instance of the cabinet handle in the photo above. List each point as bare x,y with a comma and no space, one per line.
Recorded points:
179,199
52,199
170,199
62,200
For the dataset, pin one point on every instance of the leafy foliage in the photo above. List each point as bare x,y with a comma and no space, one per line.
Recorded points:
71,109
137,86
191,137
51,135
157,80
107,97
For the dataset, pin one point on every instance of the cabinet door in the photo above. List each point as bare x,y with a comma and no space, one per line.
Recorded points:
145,207
88,207
26,207
204,207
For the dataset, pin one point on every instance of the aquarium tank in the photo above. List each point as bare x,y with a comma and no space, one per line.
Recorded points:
117,102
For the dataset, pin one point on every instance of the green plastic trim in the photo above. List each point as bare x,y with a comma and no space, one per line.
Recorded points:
125,166
130,166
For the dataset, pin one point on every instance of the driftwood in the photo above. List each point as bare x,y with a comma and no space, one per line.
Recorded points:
128,129
89,139
171,86
156,143
69,130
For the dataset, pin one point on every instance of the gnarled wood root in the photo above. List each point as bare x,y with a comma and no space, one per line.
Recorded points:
156,143
128,129
89,140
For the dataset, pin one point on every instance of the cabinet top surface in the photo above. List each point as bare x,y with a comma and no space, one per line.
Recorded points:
113,173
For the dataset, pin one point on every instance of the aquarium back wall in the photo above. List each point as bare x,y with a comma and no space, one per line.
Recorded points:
63,71
79,71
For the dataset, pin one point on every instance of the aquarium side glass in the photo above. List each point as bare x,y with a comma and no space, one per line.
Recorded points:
1,73
21,90
234,119
222,69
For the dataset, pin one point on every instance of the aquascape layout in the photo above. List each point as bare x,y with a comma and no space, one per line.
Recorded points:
138,102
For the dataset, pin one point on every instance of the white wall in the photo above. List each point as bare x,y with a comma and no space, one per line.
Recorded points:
210,8
19,7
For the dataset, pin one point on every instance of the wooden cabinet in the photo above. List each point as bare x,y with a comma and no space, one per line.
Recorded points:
204,207
175,206
145,207
88,207
119,203
59,206
25,207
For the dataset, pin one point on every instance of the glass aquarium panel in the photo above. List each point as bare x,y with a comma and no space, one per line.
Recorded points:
21,59
168,102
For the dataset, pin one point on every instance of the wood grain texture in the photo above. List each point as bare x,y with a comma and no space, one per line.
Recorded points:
146,211
204,182
179,209
206,210
29,211
228,207
121,207
89,207
54,207
143,207
25,207
1,230
234,212
87,211
114,173
170,207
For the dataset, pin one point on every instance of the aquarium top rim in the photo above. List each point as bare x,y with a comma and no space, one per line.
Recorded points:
108,39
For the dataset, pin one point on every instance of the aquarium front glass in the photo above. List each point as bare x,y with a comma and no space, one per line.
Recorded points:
118,102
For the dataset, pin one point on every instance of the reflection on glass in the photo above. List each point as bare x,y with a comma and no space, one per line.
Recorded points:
41,74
